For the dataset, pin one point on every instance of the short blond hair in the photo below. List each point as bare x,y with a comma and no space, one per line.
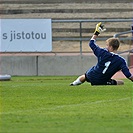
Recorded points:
114,42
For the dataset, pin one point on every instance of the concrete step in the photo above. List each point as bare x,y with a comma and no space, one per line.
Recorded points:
25,11
87,30
68,6
67,10
63,1
66,16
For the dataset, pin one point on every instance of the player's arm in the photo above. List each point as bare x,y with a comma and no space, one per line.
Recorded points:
94,37
99,28
126,71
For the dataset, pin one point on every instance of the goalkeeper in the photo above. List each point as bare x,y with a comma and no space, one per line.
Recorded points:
108,63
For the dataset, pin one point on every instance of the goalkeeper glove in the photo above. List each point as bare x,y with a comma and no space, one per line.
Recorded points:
99,28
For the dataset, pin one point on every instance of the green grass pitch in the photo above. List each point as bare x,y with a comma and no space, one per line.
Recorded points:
50,105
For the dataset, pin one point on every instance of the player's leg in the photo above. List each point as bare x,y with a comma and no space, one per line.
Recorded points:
115,82
80,80
120,82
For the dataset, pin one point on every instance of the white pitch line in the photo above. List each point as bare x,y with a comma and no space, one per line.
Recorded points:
63,106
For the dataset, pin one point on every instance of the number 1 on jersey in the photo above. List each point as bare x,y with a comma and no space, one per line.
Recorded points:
106,67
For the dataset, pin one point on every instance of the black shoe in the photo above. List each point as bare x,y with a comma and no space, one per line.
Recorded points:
71,84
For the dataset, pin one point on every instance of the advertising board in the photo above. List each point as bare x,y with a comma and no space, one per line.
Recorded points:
25,35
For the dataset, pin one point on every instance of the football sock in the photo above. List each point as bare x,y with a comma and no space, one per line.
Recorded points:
77,82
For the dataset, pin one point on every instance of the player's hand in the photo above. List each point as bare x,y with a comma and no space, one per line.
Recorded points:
99,28
131,78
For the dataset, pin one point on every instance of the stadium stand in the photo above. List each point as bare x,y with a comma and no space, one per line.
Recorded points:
71,9
64,10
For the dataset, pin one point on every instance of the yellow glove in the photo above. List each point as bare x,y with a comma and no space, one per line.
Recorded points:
99,28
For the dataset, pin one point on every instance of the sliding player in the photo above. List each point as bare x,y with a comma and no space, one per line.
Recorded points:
108,63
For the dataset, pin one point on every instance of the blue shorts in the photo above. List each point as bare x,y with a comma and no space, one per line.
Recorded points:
109,82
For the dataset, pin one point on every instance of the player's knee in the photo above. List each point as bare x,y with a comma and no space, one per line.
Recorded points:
82,78
120,82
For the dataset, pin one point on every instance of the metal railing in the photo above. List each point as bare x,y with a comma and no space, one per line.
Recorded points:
81,21
122,33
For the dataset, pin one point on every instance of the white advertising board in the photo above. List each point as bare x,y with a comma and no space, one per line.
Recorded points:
25,35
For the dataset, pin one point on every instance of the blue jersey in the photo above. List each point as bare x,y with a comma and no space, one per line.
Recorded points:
108,64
